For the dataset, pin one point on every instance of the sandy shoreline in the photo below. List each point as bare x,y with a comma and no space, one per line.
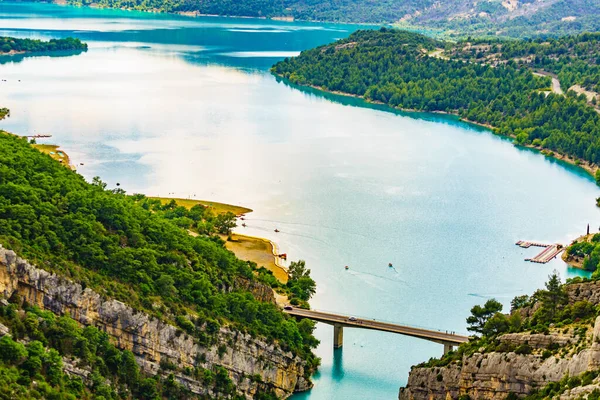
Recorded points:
249,248
259,250
586,166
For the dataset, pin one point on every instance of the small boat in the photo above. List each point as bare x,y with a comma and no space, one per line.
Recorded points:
276,230
242,218
390,265
346,267
244,224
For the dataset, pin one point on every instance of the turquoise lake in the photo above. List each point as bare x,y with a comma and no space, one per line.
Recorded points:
186,107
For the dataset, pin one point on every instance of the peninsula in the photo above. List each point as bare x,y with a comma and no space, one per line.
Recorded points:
11,46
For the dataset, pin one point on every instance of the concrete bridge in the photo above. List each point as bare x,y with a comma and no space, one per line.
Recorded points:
449,340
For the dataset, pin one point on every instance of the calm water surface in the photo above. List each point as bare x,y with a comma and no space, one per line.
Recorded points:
186,106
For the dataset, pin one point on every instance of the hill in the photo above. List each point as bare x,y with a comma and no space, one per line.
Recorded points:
128,265
479,17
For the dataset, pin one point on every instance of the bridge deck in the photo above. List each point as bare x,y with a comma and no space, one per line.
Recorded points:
343,320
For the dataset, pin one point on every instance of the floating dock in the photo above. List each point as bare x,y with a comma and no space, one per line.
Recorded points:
550,251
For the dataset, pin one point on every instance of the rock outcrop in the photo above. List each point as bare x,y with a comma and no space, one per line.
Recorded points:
495,375
152,340
584,291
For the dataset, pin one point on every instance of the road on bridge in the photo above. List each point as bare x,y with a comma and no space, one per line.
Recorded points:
343,320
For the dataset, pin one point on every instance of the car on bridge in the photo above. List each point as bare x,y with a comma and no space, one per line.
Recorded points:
353,319
288,308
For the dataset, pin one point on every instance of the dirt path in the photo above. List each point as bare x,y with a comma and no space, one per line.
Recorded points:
555,82
437,53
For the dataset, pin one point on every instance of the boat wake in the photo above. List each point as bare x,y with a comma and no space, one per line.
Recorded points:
387,278
507,295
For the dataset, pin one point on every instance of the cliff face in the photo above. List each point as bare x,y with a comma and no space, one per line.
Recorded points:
585,291
494,375
152,340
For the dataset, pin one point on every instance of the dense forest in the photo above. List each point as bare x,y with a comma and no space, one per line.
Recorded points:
117,245
481,17
9,44
410,71
34,352
575,60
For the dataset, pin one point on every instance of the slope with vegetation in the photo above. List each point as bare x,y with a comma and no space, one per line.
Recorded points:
44,356
574,60
410,71
134,249
10,45
482,17
546,346
585,253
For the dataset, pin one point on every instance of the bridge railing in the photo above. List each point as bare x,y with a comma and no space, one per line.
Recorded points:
410,325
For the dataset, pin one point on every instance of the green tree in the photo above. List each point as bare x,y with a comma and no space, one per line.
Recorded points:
11,351
496,324
224,223
481,315
553,298
166,285
519,302
298,270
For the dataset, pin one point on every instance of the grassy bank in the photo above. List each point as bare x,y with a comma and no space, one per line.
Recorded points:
217,208
249,248
55,152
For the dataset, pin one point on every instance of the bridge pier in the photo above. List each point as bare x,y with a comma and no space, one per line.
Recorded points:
338,336
448,347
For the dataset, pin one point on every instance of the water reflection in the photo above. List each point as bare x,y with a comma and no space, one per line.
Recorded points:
17,58
337,371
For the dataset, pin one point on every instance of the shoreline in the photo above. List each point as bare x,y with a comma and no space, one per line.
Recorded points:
55,152
216,207
261,251
576,262
194,14
588,167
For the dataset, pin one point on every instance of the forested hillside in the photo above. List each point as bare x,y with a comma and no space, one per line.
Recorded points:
410,71
575,60
34,368
128,249
487,17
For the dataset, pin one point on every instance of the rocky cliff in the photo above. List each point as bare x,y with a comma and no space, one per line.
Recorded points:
154,341
496,374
